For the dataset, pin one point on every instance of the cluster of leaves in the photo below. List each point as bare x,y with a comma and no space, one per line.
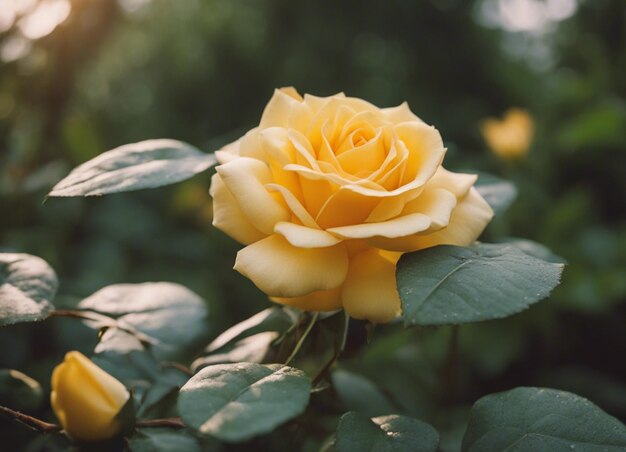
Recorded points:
236,392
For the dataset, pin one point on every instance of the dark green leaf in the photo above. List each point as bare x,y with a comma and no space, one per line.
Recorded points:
498,193
536,250
170,313
146,164
392,433
19,392
450,284
163,440
360,394
27,287
234,402
537,419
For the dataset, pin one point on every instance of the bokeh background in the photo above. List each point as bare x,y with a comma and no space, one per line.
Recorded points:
78,77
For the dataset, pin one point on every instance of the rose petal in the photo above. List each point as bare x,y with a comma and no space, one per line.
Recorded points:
245,178
369,291
467,222
294,205
228,217
305,237
228,152
344,207
457,183
279,151
401,113
364,159
283,110
429,211
321,300
282,270
304,155
426,150
436,203
398,227
85,398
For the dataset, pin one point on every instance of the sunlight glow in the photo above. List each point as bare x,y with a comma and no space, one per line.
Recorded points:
44,18
534,16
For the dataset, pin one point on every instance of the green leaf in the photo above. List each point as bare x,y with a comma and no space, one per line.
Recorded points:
360,394
450,285
122,355
392,433
19,392
234,402
170,313
538,419
163,440
536,250
251,349
498,193
27,286
270,319
147,164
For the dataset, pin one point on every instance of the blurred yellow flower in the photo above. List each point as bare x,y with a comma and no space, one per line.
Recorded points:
510,137
328,192
86,399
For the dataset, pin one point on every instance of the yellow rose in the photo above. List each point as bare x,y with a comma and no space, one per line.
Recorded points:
328,192
86,399
510,137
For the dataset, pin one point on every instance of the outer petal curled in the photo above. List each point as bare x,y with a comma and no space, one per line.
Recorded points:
467,222
281,270
227,215
245,178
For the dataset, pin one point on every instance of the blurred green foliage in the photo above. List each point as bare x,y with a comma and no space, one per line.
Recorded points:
115,72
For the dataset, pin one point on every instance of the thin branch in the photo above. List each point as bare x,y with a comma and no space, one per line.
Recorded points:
172,422
302,338
178,366
338,350
104,321
30,421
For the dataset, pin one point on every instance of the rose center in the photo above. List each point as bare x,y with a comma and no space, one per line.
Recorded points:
355,139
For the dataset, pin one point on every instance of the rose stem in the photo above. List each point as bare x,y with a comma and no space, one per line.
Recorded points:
30,421
106,321
302,338
338,350
178,366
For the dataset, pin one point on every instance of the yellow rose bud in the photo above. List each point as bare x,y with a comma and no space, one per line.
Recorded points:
86,399
328,192
510,137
